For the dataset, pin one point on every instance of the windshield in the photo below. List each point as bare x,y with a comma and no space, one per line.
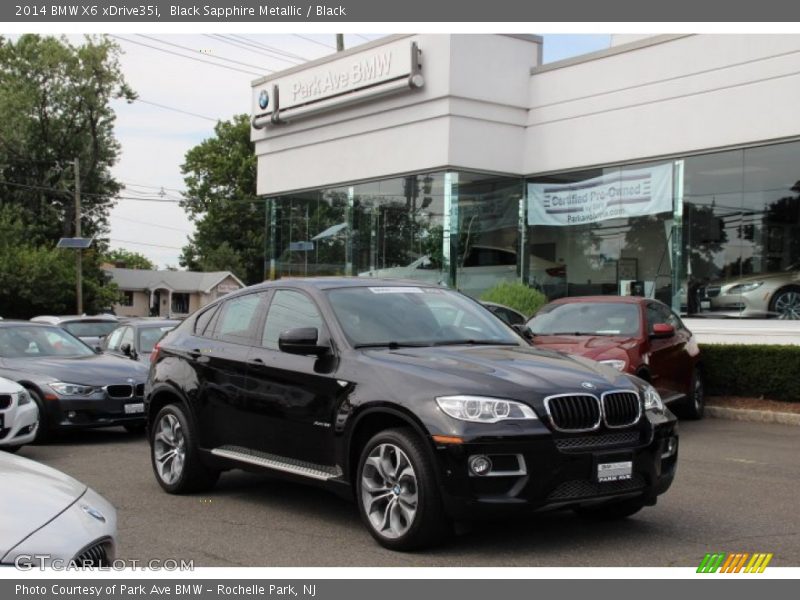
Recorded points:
415,316
34,341
90,328
587,318
148,337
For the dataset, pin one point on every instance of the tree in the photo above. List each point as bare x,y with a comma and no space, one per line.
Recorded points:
127,259
55,107
47,284
220,176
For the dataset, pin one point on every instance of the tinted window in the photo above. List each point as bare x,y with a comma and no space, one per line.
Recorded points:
113,340
509,316
238,318
587,318
413,315
660,313
148,336
90,328
489,257
19,342
286,311
202,321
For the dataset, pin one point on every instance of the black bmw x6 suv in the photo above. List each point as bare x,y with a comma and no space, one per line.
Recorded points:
413,399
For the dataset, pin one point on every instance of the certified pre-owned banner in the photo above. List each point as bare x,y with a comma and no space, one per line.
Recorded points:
616,195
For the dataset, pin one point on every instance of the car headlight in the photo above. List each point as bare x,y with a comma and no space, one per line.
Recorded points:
743,288
23,397
615,363
479,409
71,389
652,400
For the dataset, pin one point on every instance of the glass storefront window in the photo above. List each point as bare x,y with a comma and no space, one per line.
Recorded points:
742,230
602,232
487,240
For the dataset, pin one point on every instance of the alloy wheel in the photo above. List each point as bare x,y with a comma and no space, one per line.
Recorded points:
787,305
169,448
389,491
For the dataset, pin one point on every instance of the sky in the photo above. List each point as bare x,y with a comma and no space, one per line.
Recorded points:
185,83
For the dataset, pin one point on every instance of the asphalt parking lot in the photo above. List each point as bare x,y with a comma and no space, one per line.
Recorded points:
737,489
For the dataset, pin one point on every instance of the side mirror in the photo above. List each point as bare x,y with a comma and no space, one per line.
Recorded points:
302,341
125,349
523,330
662,330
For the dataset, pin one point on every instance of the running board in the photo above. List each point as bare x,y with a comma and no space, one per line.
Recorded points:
278,463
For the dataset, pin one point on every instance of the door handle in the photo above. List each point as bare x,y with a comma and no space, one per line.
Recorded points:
256,361
195,353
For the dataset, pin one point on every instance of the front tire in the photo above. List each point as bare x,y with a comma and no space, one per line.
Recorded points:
786,303
694,406
397,493
44,432
174,454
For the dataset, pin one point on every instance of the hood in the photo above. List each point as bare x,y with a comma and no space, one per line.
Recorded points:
32,496
511,370
96,369
589,346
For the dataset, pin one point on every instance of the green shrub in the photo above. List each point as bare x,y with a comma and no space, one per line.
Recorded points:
516,295
752,370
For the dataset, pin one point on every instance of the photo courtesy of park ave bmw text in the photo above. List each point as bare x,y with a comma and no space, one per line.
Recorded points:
301,299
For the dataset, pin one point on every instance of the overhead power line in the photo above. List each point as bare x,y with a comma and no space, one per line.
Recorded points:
178,110
194,58
256,43
313,41
180,47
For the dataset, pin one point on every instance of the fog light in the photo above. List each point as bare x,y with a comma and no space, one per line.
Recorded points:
480,465
670,448
72,414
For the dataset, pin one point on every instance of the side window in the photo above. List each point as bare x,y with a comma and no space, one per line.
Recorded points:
238,318
127,337
288,310
113,340
202,321
657,313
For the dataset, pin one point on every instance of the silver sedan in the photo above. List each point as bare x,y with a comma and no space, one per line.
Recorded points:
51,520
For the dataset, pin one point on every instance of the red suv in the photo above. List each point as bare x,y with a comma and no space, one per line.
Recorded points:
631,334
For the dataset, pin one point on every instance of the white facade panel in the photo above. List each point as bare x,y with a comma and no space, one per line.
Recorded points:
687,95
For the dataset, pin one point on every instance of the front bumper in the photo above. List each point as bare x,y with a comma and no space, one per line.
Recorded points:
98,410
560,470
20,424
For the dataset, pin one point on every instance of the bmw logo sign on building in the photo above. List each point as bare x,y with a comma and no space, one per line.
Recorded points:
263,99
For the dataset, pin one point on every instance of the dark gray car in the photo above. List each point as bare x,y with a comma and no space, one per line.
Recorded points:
136,339
73,385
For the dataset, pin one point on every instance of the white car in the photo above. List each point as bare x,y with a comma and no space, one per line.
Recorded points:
49,519
19,416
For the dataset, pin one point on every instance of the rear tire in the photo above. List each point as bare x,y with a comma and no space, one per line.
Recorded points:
694,406
397,492
174,454
612,511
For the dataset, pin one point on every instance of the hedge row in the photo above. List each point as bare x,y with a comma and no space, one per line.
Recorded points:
752,370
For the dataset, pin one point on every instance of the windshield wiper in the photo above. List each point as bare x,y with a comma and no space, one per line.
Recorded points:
393,345
474,343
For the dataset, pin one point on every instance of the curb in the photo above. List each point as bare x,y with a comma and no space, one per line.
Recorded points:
759,416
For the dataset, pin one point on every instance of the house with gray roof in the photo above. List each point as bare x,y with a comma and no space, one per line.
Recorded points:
172,294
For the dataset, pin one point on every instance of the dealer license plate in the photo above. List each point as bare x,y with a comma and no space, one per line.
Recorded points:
615,471
134,409
705,304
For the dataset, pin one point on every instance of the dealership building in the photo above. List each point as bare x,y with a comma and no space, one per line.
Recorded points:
665,166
